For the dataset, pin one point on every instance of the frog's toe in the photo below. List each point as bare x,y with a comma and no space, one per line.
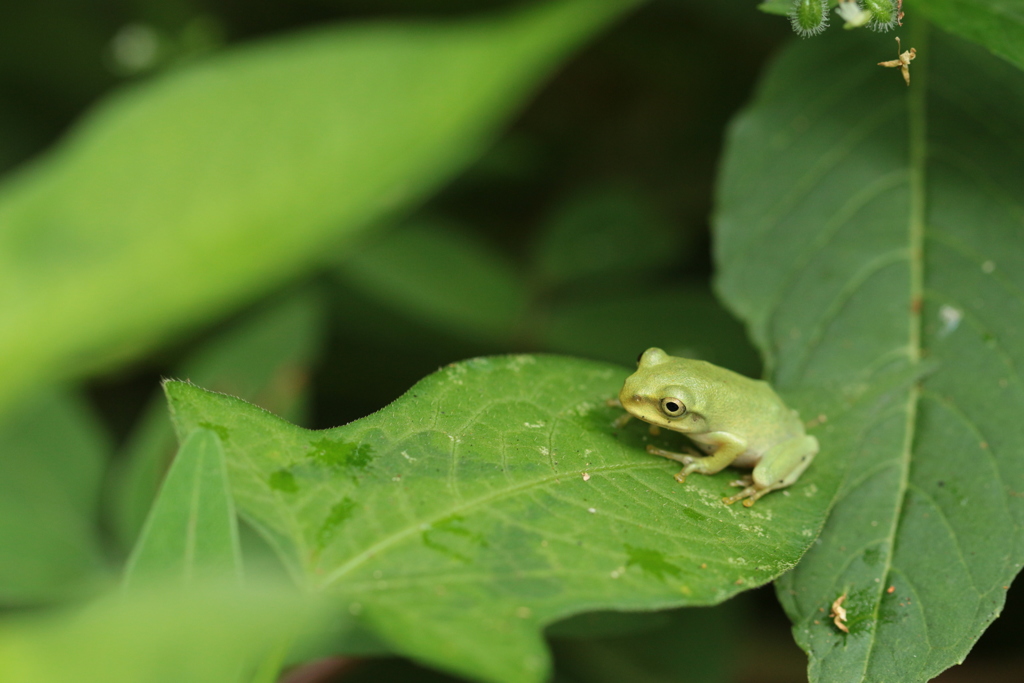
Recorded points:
744,481
749,492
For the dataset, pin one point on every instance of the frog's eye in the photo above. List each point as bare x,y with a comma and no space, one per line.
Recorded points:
672,407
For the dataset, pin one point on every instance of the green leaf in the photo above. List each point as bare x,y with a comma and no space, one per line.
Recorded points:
604,232
683,320
862,228
673,645
52,455
490,500
995,24
191,532
195,191
780,7
442,277
208,634
264,358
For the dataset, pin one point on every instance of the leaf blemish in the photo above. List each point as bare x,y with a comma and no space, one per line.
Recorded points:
951,318
283,480
220,430
341,455
443,535
651,562
694,515
340,513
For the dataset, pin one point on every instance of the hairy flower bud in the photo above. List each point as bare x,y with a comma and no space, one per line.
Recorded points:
883,14
809,17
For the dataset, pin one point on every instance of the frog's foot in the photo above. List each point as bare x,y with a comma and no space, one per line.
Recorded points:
781,466
621,420
751,493
694,466
701,465
744,481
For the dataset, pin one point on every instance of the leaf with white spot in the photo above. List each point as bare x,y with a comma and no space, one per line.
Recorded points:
870,233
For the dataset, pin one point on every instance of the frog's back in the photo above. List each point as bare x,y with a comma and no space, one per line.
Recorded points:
737,403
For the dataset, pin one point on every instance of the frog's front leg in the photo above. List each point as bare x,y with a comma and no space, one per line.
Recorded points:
686,458
623,419
779,467
726,448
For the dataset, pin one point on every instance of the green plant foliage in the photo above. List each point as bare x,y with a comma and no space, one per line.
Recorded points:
209,634
671,645
686,321
490,500
996,24
190,533
314,205
264,358
866,231
604,232
52,455
779,7
569,298
266,155
439,275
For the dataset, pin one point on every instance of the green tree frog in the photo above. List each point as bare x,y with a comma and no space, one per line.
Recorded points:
731,419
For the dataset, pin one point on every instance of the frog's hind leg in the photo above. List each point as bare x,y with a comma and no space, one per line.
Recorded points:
743,482
779,467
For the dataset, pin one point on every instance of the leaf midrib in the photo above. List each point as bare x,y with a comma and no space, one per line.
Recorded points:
918,151
411,529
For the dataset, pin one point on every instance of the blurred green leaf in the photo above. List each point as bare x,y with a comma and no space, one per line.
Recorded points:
396,670
995,24
440,276
182,197
490,500
864,228
697,645
366,336
52,455
607,624
210,634
191,532
685,321
603,232
263,359
780,7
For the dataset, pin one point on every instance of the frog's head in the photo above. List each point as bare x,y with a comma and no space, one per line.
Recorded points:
664,391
